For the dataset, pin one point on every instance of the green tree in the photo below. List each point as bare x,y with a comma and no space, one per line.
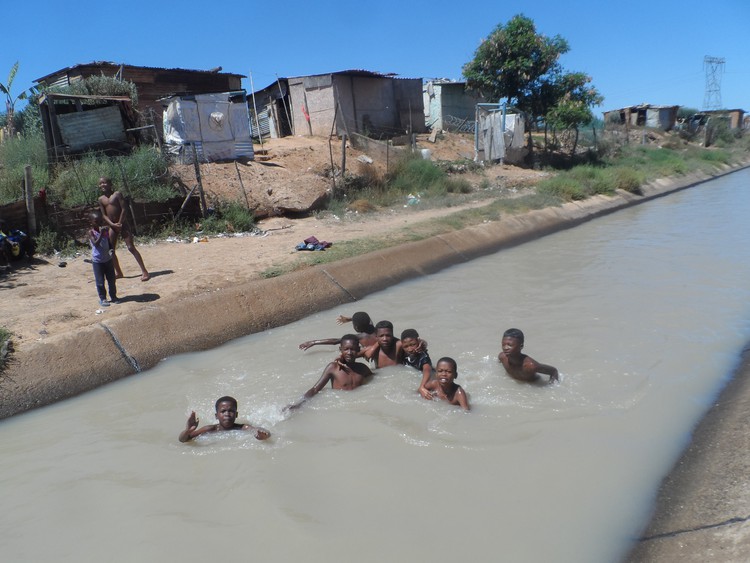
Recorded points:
519,65
515,63
10,100
575,96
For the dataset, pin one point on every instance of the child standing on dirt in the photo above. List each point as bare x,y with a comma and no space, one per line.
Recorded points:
101,259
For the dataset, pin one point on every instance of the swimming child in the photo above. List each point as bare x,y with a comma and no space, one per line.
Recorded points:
387,351
226,414
444,387
362,325
344,372
520,366
101,259
417,357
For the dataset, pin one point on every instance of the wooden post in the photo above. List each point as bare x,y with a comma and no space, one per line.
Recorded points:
28,190
343,155
242,185
204,207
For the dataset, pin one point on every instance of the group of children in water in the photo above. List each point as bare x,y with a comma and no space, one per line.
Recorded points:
379,345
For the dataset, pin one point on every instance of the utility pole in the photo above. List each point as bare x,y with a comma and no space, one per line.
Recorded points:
714,68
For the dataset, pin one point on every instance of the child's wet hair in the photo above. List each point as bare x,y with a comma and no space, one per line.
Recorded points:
410,333
361,321
226,399
514,333
349,338
384,324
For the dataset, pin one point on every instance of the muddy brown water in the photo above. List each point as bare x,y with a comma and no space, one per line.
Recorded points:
644,312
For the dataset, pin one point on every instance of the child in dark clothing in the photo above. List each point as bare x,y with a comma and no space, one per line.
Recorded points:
101,259
416,356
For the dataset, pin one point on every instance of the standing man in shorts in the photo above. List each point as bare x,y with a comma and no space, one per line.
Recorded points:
112,207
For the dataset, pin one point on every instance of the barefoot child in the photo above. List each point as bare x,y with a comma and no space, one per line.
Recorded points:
444,387
417,357
226,414
112,207
520,366
101,259
343,373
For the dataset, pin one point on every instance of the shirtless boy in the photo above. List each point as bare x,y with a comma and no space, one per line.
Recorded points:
112,207
344,372
226,414
387,351
444,386
520,366
362,325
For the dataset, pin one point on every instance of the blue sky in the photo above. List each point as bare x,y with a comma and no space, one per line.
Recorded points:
636,51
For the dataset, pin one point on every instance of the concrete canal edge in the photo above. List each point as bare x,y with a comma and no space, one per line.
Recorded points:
702,511
71,364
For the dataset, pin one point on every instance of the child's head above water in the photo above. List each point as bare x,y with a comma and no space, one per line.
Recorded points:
514,333
446,368
410,341
361,322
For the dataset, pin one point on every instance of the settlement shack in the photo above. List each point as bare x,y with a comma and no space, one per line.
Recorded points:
355,101
152,84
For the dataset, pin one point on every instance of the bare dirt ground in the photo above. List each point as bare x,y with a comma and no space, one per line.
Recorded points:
43,299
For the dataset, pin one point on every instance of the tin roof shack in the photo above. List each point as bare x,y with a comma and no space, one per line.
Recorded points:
356,101
274,112
75,124
644,115
449,105
151,83
217,125
734,117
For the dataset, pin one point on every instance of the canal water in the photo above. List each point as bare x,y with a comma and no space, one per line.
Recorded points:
644,313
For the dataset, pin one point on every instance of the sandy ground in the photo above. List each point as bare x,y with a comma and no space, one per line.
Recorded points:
43,299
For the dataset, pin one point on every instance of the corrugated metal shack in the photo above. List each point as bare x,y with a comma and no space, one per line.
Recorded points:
152,83
644,115
356,101
449,105
274,113
75,124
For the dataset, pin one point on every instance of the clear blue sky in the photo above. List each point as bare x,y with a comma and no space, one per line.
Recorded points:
636,51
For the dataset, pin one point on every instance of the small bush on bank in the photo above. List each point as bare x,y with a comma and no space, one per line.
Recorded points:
15,154
228,217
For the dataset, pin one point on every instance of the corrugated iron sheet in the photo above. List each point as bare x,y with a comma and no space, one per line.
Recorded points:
82,129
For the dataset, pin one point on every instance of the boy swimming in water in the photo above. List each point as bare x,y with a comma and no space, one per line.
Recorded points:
362,325
444,387
520,366
344,372
226,414
416,357
387,351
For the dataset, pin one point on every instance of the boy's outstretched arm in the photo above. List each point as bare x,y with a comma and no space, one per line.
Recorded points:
426,374
191,428
258,432
343,319
554,375
463,400
314,390
326,341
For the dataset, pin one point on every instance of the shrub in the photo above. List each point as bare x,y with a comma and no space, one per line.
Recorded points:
15,154
228,217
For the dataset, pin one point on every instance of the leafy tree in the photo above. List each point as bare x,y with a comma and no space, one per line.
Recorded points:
573,106
515,63
10,100
522,66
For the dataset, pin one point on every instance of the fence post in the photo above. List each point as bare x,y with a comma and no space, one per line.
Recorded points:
28,192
